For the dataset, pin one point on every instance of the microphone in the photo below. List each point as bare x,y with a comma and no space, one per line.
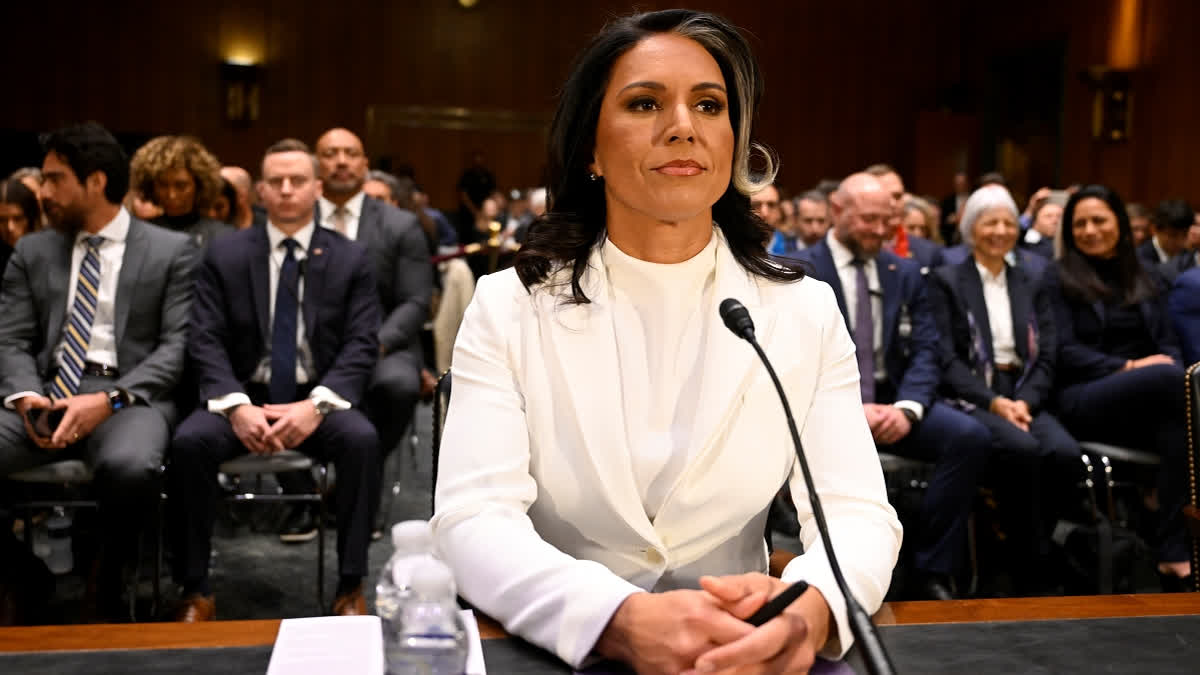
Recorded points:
875,657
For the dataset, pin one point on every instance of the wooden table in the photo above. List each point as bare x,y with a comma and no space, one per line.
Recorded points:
258,633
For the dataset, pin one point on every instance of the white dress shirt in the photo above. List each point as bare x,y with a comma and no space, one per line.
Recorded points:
1158,250
353,208
102,345
305,369
999,311
843,260
659,343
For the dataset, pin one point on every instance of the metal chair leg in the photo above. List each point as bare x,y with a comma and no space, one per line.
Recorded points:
324,485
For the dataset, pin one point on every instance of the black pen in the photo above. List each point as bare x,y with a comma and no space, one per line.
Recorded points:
778,603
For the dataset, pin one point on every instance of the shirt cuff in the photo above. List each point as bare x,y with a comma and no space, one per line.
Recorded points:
325,395
223,405
11,401
916,408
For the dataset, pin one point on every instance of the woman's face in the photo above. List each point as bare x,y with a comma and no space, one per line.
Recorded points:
995,233
664,142
1094,227
13,223
914,223
175,191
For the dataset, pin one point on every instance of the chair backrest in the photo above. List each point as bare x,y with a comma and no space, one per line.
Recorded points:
1191,510
441,400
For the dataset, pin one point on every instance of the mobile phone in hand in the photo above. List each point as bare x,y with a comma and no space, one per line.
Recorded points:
44,421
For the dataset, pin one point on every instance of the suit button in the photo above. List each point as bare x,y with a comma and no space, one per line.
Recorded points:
654,557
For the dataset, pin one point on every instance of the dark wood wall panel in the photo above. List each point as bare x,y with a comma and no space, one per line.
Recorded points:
848,82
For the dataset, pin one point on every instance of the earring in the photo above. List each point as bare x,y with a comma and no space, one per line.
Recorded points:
593,177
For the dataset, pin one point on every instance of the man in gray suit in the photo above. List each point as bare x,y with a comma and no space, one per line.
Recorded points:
95,326
404,275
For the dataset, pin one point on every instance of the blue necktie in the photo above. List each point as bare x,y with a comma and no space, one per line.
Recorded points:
78,330
864,333
283,333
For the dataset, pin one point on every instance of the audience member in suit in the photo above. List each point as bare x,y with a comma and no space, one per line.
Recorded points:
919,219
768,206
884,301
926,253
95,326
285,335
952,206
1046,218
1032,264
1139,222
183,178
243,215
20,214
1183,304
812,218
1120,374
997,332
1170,225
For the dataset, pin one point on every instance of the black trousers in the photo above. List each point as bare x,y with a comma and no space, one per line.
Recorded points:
204,440
1144,409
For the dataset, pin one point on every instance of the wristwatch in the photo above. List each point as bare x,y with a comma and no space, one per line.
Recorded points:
323,408
118,399
912,416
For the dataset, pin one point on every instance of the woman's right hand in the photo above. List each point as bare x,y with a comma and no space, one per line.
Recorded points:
1155,360
666,632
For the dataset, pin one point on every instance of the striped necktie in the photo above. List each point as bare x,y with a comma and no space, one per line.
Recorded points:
79,324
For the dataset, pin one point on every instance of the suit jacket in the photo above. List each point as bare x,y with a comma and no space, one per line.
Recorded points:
5,253
397,248
231,316
1031,263
1080,330
538,510
154,292
927,253
1184,306
203,231
1176,266
1044,248
911,347
966,333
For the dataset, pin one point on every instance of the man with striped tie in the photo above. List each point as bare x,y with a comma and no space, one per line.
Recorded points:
95,315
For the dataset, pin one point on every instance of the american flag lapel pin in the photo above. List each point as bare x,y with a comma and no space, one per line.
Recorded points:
891,267
318,251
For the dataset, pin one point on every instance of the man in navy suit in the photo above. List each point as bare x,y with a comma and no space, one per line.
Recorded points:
884,301
284,338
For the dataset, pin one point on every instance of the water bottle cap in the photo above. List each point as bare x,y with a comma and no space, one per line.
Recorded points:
432,580
412,536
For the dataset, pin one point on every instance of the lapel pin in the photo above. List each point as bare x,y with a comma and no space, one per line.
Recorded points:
891,267
318,251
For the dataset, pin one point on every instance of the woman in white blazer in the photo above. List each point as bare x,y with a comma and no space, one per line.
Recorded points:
607,436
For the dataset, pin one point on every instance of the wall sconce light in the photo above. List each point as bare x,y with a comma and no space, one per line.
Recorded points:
240,88
1112,103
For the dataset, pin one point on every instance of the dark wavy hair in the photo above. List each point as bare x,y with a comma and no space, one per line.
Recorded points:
88,148
576,213
1080,281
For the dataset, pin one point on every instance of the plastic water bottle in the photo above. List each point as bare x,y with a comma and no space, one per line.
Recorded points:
59,559
433,640
413,544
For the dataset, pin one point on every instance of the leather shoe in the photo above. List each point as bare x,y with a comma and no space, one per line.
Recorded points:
299,527
196,607
937,587
350,603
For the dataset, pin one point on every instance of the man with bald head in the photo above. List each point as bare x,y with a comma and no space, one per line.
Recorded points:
404,274
243,185
886,307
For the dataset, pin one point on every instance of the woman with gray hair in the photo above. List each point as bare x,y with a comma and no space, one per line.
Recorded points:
999,341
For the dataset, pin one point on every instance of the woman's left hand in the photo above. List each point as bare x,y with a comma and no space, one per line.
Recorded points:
786,644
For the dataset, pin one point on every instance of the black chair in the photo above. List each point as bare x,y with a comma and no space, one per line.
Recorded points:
441,401
1191,509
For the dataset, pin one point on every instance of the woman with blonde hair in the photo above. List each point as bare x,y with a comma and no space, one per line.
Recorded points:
181,177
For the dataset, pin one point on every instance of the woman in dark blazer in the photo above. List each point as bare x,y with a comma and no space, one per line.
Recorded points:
1120,373
998,345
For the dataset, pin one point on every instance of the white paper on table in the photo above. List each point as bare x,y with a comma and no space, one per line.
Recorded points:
328,644
475,664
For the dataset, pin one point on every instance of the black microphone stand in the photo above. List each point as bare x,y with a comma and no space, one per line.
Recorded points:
875,656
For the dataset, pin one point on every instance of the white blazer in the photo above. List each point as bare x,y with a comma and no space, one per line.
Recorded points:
538,511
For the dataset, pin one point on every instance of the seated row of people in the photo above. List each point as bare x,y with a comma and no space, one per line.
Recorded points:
996,359
149,348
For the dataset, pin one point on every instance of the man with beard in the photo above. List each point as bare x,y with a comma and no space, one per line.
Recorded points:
95,326
887,310
403,272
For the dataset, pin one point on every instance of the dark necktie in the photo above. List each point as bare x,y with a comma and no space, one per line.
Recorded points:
283,333
864,332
